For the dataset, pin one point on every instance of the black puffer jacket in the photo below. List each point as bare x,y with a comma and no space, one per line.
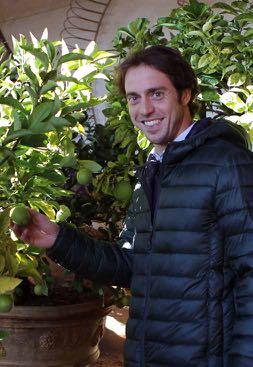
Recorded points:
190,265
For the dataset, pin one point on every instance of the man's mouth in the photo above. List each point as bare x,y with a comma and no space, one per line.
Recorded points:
151,122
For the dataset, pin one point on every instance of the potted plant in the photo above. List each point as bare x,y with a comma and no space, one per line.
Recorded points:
45,98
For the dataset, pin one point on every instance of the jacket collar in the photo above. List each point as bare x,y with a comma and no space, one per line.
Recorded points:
201,132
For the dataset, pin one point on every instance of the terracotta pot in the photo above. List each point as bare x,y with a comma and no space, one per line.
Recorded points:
57,336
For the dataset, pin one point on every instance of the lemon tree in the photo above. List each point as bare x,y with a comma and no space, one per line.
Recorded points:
45,99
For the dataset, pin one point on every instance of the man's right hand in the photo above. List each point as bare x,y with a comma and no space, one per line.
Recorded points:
40,231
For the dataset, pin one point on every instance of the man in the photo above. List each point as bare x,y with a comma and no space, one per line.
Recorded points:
187,251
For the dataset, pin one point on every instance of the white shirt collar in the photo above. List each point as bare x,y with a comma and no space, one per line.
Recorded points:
183,135
180,137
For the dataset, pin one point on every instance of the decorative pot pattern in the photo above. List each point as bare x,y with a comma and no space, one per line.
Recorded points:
57,336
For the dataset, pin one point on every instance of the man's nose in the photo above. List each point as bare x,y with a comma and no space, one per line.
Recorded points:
146,107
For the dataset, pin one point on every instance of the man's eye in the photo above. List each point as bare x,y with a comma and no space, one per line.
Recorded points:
157,95
132,99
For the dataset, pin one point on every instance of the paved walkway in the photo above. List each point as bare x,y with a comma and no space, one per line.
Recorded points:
111,346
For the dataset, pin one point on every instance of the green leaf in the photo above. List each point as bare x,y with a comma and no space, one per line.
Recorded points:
43,290
51,75
64,78
248,33
249,103
228,69
12,263
246,118
3,335
205,60
40,55
127,140
31,272
44,206
44,35
69,160
236,79
50,85
125,31
63,213
56,177
208,80
2,263
40,113
32,94
18,134
8,284
57,105
31,76
209,94
91,48
233,101
12,102
58,122
41,128
246,17
51,50
91,165
4,220
142,140
34,140
207,26
72,108
224,6
196,33
228,39
240,90
242,4
139,24
71,57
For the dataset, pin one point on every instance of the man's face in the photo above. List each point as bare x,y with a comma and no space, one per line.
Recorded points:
154,105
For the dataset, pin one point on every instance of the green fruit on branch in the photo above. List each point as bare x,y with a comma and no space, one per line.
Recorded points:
20,215
40,290
6,302
84,176
123,191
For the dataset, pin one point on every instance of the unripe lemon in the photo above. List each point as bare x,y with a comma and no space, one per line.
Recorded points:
123,191
6,303
84,176
38,289
20,215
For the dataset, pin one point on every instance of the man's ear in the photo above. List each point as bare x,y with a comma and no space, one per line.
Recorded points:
186,97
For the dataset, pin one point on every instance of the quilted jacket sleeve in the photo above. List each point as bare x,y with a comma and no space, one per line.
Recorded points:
234,205
94,259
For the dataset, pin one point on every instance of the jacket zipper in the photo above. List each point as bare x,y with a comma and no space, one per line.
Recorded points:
149,249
